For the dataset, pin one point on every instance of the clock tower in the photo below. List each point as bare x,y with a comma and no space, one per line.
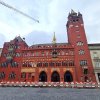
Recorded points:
77,38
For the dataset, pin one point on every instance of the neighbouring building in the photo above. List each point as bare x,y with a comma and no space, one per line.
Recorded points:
95,56
53,62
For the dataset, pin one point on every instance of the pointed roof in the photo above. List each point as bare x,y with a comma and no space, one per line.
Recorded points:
79,13
18,38
73,12
54,39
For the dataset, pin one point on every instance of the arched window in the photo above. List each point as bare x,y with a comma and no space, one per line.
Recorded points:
45,64
2,75
12,75
58,63
39,64
51,64
23,75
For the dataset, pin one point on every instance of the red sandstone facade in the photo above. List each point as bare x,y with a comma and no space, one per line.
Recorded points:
55,62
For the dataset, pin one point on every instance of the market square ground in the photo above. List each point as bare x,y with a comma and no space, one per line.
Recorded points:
20,93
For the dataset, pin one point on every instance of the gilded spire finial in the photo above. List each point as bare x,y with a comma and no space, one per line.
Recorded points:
54,39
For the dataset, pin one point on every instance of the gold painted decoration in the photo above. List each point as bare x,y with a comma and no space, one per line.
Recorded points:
67,69
28,70
54,59
55,69
42,69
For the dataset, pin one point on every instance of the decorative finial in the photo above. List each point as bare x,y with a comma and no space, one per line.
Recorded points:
79,13
54,39
72,11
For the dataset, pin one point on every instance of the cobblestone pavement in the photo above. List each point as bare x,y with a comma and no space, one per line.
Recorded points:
11,93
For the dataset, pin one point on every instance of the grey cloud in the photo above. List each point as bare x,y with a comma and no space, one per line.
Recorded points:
38,37
53,17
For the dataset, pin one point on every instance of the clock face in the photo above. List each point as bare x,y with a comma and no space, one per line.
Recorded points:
54,54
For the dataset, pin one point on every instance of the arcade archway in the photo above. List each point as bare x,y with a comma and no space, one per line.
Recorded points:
55,77
85,78
43,77
68,77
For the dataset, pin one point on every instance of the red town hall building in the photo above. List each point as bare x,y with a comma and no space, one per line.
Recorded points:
54,62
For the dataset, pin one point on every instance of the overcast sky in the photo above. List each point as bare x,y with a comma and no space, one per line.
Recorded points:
52,15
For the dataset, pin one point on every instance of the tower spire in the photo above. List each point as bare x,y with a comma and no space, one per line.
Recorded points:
72,11
54,39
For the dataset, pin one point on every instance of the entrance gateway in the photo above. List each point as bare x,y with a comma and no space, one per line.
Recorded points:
43,77
55,77
68,77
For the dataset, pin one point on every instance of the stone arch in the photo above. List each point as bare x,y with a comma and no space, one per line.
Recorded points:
68,77
55,77
43,77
